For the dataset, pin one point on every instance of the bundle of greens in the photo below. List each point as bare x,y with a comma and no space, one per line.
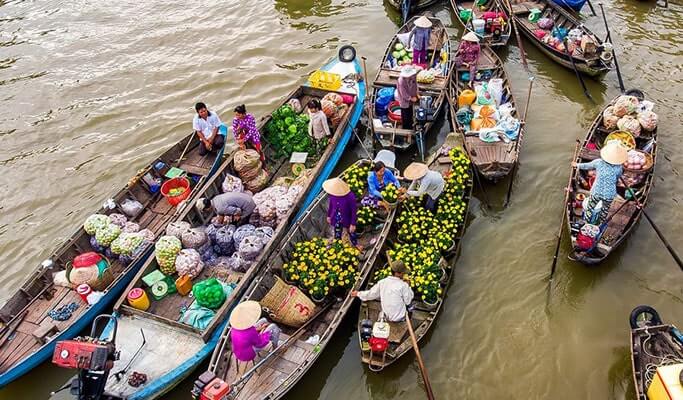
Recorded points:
287,132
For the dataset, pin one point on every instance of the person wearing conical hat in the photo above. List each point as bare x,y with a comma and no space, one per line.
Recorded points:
249,333
342,210
421,35
393,292
425,182
608,169
407,93
468,54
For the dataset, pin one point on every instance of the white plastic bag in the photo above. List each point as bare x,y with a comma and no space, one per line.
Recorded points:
132,207
496,90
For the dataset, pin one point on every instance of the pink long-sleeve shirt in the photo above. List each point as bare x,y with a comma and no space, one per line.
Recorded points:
244,340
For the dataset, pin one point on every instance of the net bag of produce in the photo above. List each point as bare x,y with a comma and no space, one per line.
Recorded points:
96,246
625,105
126,243
629,124
209,293
339,115
265,233
245,160
132,207
242,232
211,230
334,98
130,227
648,120
188,262
178,228
224,243
232,184
147,234
118,219
238,264
258,182
609,119
250,248
194,238
295,104
328,107
106,235
95,222
165,250
137,252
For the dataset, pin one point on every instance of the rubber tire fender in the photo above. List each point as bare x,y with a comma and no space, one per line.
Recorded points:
343,50
633,319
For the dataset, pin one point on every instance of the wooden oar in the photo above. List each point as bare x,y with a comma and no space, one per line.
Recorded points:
519,40
654,226
561,229
614,52
591,7
423,370
368,106
522,125
576,71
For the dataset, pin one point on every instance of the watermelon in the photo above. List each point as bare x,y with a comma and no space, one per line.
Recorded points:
403,53
396,54
398,46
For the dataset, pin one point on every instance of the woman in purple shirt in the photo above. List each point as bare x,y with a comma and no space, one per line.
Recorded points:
249,333
422,34
341,212
245,131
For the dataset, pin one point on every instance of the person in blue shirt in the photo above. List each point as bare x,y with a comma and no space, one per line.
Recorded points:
378,179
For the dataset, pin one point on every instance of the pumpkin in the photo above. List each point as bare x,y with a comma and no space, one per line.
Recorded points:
328,107
466,98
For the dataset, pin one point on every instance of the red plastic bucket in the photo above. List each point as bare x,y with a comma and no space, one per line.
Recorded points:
180,182
395,111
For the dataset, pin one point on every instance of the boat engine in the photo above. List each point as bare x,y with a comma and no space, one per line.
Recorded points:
92,357
209,387
425,111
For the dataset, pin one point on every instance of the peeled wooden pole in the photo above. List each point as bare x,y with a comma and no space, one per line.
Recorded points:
423,370
523,121
368,105
519,40
614,53
576,71
561,229
654,226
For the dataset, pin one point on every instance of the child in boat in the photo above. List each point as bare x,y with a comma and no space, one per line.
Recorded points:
468,54
425,181
393,291
608,169
231,207
318,128
209,129
342,210
421,33
245,131
250,333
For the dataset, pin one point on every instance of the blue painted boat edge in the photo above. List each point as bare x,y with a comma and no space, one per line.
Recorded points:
343,141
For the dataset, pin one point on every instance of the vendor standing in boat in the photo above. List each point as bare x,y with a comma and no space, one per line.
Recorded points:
229,207
420,43
407,93
378,179
393,292
209,129
249,332
425,181
342,210
245,131
608,169
318,128
468,54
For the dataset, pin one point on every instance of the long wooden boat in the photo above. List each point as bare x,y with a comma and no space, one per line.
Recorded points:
423,315
276,376
492,160
390,134
653,344
497,36
175,349
28,335
623,214
415,5
595,64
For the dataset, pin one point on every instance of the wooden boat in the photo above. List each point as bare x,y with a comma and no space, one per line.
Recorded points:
492,160
653,344
415,5
423,315
28,335
390,134
498,36
595,64
186,346
278,374
623,214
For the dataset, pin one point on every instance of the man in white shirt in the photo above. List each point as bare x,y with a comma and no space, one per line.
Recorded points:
430,183
209,129
394,293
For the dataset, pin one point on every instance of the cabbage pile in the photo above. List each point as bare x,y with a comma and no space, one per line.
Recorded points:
401,55
287,132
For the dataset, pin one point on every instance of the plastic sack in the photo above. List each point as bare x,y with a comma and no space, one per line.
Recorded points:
224,243
546,23
464,115
496,90
131,207
246,160
645,105
118,219
648,120
232,184
126,243
209,293
560,33
334,98
165,250
625,105
242,232
194,238
466,98
147,234
207,254
609,119
106,235
95,222
574,35
250,248
510,126
629,124
540,33
258,182
197,316
188,262
296,105
130,227
239,264
178,228
505,110
483,95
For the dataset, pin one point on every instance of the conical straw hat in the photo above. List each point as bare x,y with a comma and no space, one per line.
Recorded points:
245,315
614,153
336,187
423,22
415,171
471,37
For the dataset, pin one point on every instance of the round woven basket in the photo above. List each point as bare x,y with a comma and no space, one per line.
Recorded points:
96,283
649,163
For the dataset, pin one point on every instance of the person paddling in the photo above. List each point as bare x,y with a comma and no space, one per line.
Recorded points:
393,291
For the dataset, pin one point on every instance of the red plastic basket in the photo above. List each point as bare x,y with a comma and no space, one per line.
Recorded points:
176,183
395,111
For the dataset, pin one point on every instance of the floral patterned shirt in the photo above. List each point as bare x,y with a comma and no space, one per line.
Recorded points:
607,175
469,51
245,128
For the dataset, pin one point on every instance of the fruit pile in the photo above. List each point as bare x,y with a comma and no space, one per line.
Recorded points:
165,250
177,191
